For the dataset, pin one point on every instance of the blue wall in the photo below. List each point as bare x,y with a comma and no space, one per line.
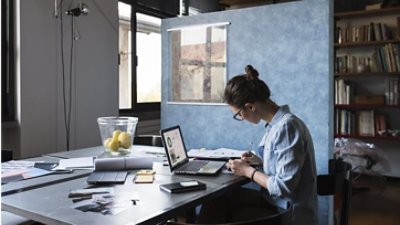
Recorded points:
289,44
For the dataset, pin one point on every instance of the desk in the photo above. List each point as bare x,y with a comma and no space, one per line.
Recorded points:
49,204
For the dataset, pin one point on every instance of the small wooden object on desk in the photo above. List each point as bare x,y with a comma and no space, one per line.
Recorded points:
145,176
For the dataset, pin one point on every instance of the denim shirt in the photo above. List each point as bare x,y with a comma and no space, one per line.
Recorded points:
288,154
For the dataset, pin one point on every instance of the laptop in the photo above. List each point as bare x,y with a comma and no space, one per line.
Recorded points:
178,158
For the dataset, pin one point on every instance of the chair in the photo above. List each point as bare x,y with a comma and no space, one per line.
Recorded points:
337,183
6,155
283,217
151,140
12,219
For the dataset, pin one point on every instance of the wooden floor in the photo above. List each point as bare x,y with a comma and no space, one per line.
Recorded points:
375,202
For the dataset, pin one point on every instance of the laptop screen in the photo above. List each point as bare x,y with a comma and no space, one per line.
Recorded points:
173,143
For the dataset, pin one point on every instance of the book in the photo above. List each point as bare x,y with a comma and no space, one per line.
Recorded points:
380,122
369,99
183,186
398,26
377,32
366,125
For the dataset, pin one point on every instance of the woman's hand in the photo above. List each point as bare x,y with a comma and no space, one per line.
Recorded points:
252,159
240,167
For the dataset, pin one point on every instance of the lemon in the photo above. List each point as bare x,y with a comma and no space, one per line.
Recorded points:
124,140
116,134
106,142
113,145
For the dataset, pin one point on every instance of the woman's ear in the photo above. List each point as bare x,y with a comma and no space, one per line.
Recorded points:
250,106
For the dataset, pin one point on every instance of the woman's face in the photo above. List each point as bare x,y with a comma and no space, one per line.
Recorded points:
246,113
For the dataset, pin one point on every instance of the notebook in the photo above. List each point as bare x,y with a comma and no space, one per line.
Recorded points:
107,177
183,186
178,159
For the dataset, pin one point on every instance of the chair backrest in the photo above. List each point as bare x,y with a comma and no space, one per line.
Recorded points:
151,140
337,183
283,217
6,155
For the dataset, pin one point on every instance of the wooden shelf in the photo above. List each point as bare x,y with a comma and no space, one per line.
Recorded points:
365,43
385,138
368,74
363,13
354,106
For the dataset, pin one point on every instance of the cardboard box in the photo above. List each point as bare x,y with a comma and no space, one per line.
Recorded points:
369,99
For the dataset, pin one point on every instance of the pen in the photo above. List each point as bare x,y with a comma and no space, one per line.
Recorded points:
250,148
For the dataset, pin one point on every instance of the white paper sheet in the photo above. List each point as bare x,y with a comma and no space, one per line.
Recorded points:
217,153
75,163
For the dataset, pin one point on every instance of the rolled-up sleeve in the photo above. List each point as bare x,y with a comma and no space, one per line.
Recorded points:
287,147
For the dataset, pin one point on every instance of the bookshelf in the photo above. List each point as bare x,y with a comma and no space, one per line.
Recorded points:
367,74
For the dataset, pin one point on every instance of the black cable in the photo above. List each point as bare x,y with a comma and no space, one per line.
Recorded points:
67,110
63,74
70,80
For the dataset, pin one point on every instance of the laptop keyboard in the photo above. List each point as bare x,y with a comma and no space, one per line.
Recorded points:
194,165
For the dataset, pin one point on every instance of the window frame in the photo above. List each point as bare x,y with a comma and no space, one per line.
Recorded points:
148,109
7,61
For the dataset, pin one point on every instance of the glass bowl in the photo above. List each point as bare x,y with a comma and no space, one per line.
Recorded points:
117,133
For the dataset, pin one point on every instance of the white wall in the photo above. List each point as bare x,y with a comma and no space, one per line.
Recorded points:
39,78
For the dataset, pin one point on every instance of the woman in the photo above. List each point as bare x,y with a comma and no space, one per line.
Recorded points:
286,150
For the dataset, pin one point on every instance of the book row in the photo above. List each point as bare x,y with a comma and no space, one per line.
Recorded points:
364,33
363,123
383,59
345,94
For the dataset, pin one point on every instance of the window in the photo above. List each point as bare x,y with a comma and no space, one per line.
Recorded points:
139,59
198,64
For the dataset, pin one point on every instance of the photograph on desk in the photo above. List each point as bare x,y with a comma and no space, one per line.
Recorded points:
106,201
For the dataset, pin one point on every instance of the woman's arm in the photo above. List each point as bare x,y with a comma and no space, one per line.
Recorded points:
242,168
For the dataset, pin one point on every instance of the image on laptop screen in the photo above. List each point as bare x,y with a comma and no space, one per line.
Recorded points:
175,148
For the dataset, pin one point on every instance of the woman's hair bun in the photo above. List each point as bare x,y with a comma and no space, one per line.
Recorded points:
251,73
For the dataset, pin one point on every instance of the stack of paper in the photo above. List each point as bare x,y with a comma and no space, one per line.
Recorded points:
19,170
217,153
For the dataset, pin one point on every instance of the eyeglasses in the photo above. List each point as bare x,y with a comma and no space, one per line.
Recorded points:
238,116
